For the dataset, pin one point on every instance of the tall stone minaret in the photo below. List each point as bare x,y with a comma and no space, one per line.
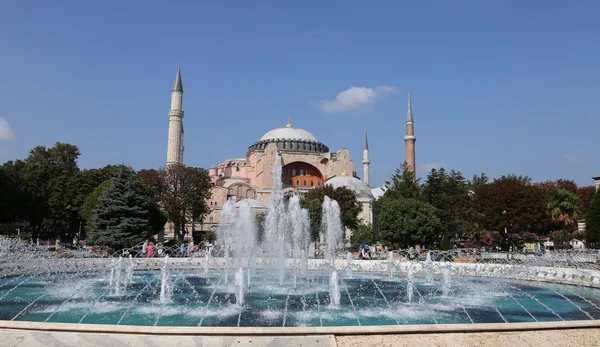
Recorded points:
366,160
175,144
410,138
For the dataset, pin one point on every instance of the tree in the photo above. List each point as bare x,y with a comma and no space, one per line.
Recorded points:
363,234
48,176
407,222
592,223
90,204
13,199
404,184
121,216
523,180
151,179
586,196
478,181
525,206
346,199
564,207
449,193
183,193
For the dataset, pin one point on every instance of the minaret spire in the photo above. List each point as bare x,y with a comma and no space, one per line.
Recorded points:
409,116
175,142
366,160
410,138
178,85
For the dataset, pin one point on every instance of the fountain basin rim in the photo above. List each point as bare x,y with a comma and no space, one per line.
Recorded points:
295,331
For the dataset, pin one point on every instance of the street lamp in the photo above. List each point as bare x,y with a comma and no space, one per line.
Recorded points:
68,219
504,213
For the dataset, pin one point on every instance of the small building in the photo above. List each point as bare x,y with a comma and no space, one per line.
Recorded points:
577,244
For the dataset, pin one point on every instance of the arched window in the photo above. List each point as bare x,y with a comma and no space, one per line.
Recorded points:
305,183
297,182
312,183
239,191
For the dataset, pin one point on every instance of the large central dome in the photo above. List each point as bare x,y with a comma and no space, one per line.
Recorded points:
289,138
289,133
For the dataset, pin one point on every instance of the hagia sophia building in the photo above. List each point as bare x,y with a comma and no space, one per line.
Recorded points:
307,163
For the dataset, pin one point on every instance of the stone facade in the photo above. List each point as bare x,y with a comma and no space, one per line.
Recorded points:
306,164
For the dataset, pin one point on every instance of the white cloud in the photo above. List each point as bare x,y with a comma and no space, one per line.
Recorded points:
6,133
354,98
436,165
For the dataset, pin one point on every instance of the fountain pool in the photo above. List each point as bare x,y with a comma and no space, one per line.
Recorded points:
202,299
273,282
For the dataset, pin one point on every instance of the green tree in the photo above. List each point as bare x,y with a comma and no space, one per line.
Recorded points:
346,199
183,193
404,184
523,180
407,222
592,223
48,176
13,199
478,181
88,209
564,208
363,234
121,216
449,193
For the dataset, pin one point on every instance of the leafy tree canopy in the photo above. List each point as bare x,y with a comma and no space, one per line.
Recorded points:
182,193
408,222
592,223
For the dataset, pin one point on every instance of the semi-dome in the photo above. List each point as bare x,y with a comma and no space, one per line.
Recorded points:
360,188
290,133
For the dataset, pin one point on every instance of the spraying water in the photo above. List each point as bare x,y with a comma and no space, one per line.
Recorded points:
429,268
166,286
447,281
409,284
239,287
334,290
276,223
332,227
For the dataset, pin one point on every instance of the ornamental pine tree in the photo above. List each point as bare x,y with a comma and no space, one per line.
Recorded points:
592,223
121,217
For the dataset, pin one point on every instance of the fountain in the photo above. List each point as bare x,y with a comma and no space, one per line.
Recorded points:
274,283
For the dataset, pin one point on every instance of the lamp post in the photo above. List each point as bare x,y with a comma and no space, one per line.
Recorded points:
504,213
68,220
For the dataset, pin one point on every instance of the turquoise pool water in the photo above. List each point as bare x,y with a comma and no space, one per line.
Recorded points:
205,299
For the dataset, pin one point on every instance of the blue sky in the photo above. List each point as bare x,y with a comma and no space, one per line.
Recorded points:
497,86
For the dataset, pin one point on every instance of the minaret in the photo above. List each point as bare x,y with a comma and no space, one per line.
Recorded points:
175,144
366,160
410,138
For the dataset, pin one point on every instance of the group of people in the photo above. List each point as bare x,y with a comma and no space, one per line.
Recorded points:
148,249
